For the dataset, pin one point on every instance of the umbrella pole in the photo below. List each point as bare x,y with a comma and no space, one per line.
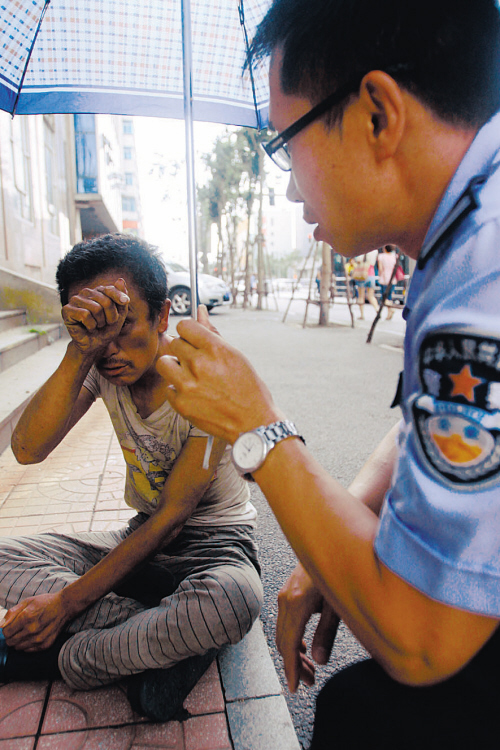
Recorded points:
188,122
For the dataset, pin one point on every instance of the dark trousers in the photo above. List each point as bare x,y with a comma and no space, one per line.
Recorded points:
362,707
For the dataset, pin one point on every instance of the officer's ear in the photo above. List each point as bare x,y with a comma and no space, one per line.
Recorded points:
384,109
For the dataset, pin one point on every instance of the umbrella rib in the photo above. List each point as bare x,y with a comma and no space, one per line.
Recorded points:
42,14
241,11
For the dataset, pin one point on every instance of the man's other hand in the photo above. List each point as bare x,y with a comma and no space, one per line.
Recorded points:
297,601
34,623
94,317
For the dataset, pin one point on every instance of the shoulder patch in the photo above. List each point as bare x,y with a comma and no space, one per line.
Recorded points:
457,412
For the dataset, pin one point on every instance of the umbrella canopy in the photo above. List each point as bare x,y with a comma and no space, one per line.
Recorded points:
163,58
126,57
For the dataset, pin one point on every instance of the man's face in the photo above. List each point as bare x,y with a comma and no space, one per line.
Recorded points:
330,172
134,351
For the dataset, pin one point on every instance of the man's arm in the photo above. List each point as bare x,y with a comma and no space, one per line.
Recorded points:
417,640
53,411
93,318
34,623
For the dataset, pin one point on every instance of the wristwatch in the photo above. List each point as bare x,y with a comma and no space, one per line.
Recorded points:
251,448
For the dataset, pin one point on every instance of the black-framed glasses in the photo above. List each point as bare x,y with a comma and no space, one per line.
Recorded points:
277,149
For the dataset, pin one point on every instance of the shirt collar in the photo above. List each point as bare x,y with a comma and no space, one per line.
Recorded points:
459,198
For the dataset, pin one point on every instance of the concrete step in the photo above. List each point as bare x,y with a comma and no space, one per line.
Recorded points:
12,319
23,341
20,381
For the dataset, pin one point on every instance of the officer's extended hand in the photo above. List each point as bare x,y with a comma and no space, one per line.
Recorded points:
213,384
297,601
94,317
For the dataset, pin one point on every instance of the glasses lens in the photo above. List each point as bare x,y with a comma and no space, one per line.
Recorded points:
281,158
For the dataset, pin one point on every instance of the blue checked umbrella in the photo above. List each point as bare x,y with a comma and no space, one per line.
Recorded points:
164,58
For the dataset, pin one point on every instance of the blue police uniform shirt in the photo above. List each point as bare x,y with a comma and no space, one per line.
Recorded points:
440,523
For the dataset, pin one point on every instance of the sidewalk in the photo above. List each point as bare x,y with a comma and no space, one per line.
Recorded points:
237,705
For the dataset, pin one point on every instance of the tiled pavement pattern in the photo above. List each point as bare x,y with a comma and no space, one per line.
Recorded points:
237,705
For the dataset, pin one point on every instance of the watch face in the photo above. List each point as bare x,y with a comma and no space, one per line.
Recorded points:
249,451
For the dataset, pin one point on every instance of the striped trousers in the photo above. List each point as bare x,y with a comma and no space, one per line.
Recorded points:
201,592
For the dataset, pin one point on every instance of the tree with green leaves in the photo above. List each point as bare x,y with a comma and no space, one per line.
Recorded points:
235,185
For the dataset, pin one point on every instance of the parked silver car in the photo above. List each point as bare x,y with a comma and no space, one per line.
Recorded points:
212,291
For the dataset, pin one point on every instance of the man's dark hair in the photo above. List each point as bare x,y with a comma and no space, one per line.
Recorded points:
142,261
444,52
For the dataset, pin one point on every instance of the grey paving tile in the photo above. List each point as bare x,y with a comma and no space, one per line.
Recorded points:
107,505
106,525
20,530
261,724
247,669
64,528
112,499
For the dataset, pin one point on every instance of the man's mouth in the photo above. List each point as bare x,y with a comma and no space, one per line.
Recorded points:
112,367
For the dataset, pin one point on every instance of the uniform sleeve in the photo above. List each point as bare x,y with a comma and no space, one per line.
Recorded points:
440,525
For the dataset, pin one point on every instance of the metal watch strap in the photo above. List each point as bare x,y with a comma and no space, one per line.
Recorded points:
270,434
277,431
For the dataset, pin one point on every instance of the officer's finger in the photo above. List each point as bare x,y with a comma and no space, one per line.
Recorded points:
170,369
324,636
307,671
292,664
204,319
196,334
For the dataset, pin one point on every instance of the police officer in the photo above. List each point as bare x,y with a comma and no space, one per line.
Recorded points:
387,117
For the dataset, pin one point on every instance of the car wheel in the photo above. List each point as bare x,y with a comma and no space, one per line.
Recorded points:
181,300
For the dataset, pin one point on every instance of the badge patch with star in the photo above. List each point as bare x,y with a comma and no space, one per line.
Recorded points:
457,414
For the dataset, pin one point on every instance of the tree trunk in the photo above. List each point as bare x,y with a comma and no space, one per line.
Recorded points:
260,250
248,261
324,289
232,225
220,248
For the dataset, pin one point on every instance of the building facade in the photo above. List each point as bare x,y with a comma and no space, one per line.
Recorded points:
61,180
131,197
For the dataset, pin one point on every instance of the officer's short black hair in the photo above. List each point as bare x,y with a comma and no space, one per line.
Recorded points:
444,52
142,261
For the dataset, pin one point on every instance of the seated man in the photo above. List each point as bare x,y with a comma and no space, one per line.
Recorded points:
182,578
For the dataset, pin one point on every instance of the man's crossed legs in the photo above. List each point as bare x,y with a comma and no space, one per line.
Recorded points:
201,592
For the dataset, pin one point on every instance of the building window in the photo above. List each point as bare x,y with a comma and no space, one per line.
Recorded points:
127,152
50,176
86,154
108,148
128,127
129,178
22,166
128,203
